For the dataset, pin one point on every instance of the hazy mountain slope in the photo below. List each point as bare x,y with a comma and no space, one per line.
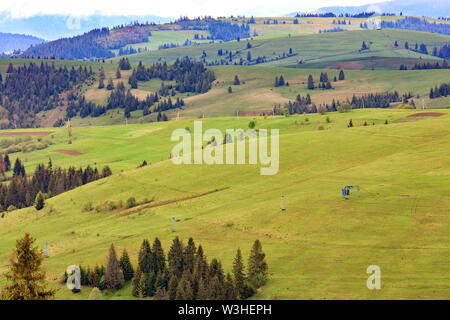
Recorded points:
51,27
13,41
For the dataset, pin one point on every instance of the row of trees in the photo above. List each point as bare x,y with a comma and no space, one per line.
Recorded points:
183,274
21,191
304,104
442,91
30,89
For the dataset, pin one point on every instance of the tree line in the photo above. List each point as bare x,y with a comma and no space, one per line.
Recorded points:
183,274
22,190
442,91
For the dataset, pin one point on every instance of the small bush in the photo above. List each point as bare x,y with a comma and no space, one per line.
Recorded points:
131,202
88,206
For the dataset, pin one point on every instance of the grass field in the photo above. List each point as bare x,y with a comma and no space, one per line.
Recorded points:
311,48
319,248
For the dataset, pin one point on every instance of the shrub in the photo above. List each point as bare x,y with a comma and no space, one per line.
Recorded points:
88,206
131,202
328,120
252,124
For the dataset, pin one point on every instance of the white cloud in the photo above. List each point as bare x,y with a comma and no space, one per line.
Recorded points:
165,8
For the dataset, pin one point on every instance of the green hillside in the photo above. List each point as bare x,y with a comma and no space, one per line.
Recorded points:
318,248
311,48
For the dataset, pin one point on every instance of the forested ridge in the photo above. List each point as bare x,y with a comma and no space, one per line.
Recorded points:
30,89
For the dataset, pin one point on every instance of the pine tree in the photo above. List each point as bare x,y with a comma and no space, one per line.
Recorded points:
125,266
230,289
236,81
7,163
281,81
25,277
135,283
159,259
310,82
118,74
238,273
230,90
172,287
101,85
341,75
39,202
112,270
175,258
188,255
110,84
257,266
145,258
184,287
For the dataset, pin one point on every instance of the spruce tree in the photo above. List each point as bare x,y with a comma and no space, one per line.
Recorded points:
159,259
188,255
230,289
175,258
39,202
172,287
238,273
310,82
145,258
236,81
118,74
112,270
125,266
257,266
341,75
25,277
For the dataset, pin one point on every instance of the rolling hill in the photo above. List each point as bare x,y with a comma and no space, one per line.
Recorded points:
318,248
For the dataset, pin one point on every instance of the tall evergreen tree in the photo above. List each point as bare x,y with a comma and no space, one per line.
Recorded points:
25,277
257,265
310,82
112,270
175,258
125,266
239,274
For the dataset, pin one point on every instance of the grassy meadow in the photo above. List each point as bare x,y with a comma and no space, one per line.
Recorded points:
318,248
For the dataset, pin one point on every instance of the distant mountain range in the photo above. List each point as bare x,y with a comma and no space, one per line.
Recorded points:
51,27
13,41
419,8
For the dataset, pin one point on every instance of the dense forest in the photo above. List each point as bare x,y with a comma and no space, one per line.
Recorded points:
95,44
22,190
417,24
442,91
189,77
27,90
183,274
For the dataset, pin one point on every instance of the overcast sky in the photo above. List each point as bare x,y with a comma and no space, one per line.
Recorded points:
167,8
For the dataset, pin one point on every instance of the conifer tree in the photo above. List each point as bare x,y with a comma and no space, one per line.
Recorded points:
159,259
172,287
112,277
7,163
125,266
175,258
310,82
145,257
118,74
257,265
341,75
25,277
184,288
189,255
39,202
238,273
230,289
236,81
